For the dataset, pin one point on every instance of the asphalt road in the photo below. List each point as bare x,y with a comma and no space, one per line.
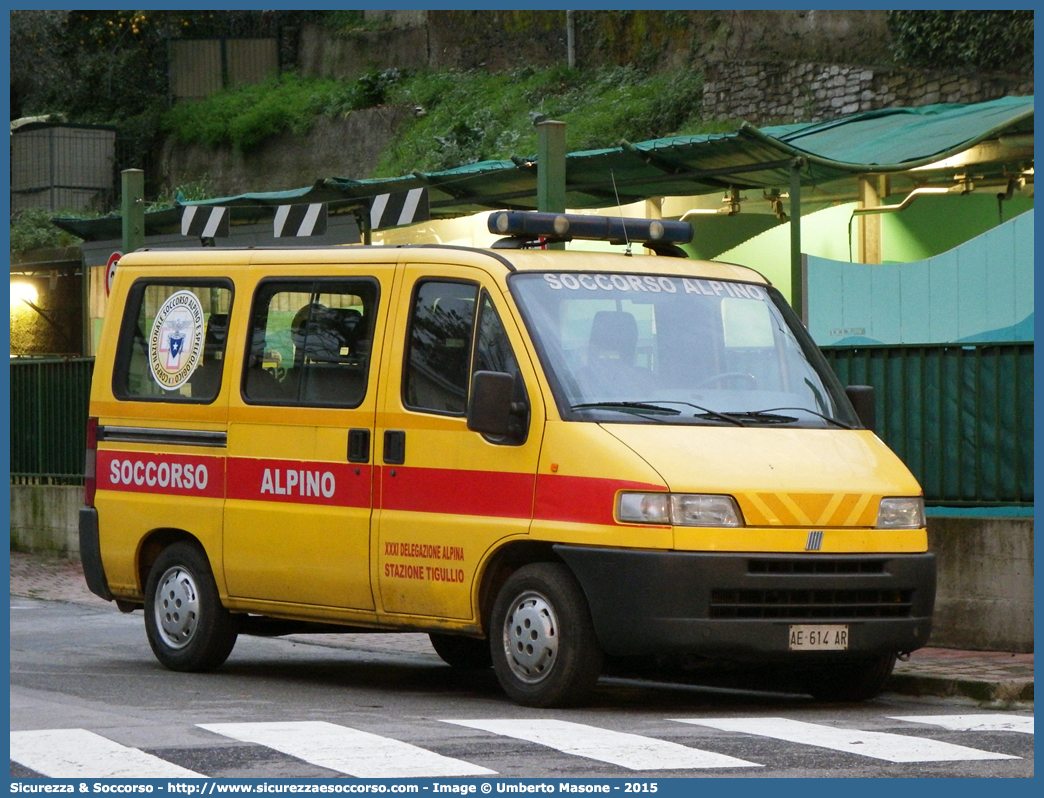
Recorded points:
86,693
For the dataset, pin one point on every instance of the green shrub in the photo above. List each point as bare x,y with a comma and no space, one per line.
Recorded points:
32,229
999,41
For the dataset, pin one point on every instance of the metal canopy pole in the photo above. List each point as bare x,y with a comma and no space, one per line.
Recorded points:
797,288
551,169
133,209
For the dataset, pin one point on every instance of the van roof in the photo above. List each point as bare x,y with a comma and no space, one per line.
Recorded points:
512,260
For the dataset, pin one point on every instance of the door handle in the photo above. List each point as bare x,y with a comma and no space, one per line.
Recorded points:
358,446
394,446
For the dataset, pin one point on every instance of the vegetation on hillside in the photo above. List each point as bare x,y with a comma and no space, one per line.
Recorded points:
463,117
459,117
991,41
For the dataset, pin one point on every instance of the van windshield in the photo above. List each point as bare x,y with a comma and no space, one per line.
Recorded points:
677,350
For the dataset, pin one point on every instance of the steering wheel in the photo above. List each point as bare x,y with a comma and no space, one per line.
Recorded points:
726,376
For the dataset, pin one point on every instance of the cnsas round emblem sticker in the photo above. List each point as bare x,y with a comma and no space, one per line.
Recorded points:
176,341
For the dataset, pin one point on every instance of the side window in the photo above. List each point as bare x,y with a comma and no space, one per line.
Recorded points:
436,372
493,350
172,344
310,342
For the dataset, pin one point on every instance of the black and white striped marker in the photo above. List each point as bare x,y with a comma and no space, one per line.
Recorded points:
300,220
203,222
395,210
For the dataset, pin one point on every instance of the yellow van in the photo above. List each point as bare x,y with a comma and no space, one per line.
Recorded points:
541,458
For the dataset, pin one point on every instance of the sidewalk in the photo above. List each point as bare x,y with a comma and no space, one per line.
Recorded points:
987,676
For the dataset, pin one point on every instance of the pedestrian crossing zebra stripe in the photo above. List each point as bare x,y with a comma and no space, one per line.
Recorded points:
876,745
205,222
631,751
78,753
356,753
295,221
992,722
395,210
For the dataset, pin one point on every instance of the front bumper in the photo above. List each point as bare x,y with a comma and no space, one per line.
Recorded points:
742,605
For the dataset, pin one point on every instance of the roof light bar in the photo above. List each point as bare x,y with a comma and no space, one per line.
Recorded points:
566,226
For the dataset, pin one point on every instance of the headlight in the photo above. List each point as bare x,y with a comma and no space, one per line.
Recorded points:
679,509
901,512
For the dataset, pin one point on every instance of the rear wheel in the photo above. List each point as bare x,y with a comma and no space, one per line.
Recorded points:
851,681
187,626
465,653
542,638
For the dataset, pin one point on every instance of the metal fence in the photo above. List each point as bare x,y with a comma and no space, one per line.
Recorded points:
61,167
201,67
960,417
49,405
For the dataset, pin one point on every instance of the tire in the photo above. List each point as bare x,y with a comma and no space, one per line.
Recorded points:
852,681
463,653
187,626
543,643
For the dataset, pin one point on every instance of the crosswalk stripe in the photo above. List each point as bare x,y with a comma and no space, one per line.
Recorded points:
1015,723
78,753
877,745
346,750
631,751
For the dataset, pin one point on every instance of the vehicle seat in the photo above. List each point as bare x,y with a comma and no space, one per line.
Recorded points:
611,370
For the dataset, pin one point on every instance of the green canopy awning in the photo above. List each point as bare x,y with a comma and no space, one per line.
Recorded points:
884,141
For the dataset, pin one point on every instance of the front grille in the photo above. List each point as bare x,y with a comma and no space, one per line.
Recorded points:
815,565
805,604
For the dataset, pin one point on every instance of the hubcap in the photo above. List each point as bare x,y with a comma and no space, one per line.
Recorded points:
531,637
177,607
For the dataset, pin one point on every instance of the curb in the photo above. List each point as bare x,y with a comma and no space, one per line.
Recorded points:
1003,692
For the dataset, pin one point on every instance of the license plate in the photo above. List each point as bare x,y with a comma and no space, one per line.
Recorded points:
819,637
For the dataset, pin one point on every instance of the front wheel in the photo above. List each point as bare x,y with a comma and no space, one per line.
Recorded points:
852,681
542,638
187,626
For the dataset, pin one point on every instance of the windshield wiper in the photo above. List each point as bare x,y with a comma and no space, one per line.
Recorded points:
705,412
623,406
769,415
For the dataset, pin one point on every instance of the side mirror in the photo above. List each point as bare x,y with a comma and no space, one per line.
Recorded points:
862,399
489,407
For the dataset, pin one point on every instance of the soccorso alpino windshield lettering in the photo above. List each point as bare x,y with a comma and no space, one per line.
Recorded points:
651,284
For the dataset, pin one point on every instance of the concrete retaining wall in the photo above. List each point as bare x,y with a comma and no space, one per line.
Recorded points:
984,598
984,595
44,519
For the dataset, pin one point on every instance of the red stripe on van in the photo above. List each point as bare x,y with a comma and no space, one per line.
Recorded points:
583,500
166,474
457,492
299,482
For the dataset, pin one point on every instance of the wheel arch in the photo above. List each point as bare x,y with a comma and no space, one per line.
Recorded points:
155,542
501,564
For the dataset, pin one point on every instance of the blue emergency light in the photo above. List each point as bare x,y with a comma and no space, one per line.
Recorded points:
530,225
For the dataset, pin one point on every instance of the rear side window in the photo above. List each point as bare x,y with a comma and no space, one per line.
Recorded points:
172,344
310,342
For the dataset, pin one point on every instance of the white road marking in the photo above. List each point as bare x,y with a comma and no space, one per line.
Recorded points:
982,722
346,750
877,745
78,753
630,751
